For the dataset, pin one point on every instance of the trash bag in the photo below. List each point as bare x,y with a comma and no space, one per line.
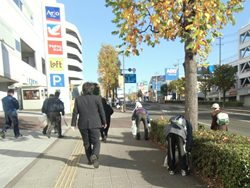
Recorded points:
133,128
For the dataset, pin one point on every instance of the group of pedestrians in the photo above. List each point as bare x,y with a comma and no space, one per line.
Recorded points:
53,107
179,139
92,115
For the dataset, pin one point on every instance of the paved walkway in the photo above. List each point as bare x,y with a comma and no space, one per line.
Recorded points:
36,161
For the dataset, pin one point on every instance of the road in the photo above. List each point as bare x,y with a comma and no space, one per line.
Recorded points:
239,118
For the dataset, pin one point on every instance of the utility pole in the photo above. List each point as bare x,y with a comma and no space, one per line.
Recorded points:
219,63
220,51
124,97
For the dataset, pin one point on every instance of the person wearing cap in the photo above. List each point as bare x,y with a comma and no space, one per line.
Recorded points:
140,114
214,125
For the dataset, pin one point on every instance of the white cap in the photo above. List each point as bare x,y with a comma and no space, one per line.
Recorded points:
216,106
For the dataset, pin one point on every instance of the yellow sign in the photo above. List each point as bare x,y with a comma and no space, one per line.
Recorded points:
120,81
56,64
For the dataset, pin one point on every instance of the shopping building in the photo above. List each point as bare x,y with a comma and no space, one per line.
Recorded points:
38,53
243,63
241,90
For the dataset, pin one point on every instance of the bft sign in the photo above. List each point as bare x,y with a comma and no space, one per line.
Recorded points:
57,80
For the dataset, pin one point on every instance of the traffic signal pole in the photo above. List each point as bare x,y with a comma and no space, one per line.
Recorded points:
124,97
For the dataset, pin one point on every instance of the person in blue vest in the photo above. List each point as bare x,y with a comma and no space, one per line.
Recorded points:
10,107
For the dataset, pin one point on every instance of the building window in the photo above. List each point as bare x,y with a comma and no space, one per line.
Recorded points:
28,54
31,94
18,45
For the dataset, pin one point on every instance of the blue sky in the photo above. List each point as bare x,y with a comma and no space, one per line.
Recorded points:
94,23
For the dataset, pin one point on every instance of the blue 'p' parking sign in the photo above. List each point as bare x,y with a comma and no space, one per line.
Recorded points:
57,80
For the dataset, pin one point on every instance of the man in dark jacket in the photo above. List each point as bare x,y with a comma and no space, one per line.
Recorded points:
179,136
54,109
45,111
91,119
108,112
10,107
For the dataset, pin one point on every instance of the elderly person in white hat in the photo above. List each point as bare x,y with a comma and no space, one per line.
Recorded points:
214,125
140,114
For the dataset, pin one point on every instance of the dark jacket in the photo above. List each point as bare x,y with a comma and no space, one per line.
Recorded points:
107,109
185,131
10,104
214,124
44,107
90,110
53,105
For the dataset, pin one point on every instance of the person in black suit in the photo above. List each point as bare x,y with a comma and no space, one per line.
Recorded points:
91,119
108,112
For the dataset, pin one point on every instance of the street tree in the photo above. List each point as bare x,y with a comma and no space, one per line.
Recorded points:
224,78
179,87
108,69
195,22
205,80
205,85
164,89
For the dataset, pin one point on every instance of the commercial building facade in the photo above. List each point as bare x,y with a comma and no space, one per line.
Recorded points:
243,64
25,61
241,91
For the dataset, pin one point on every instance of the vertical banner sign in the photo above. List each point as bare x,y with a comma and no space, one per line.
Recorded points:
56,65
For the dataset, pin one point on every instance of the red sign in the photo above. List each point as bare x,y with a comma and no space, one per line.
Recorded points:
55,47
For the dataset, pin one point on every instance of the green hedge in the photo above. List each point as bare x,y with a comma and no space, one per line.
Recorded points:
218,155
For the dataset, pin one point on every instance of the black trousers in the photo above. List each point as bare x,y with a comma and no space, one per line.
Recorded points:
55,121
104,131
176,142
11,118
91,141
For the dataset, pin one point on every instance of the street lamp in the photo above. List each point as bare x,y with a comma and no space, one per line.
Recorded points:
156,84
124,97
119,51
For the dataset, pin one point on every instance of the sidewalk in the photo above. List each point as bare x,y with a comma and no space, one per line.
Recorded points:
36,161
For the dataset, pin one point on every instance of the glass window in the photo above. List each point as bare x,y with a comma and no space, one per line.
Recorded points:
31,94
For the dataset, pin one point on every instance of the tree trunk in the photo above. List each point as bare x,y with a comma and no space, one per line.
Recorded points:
224,97
191,98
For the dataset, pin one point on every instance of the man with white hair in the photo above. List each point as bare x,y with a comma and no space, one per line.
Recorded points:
215,111
140,114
